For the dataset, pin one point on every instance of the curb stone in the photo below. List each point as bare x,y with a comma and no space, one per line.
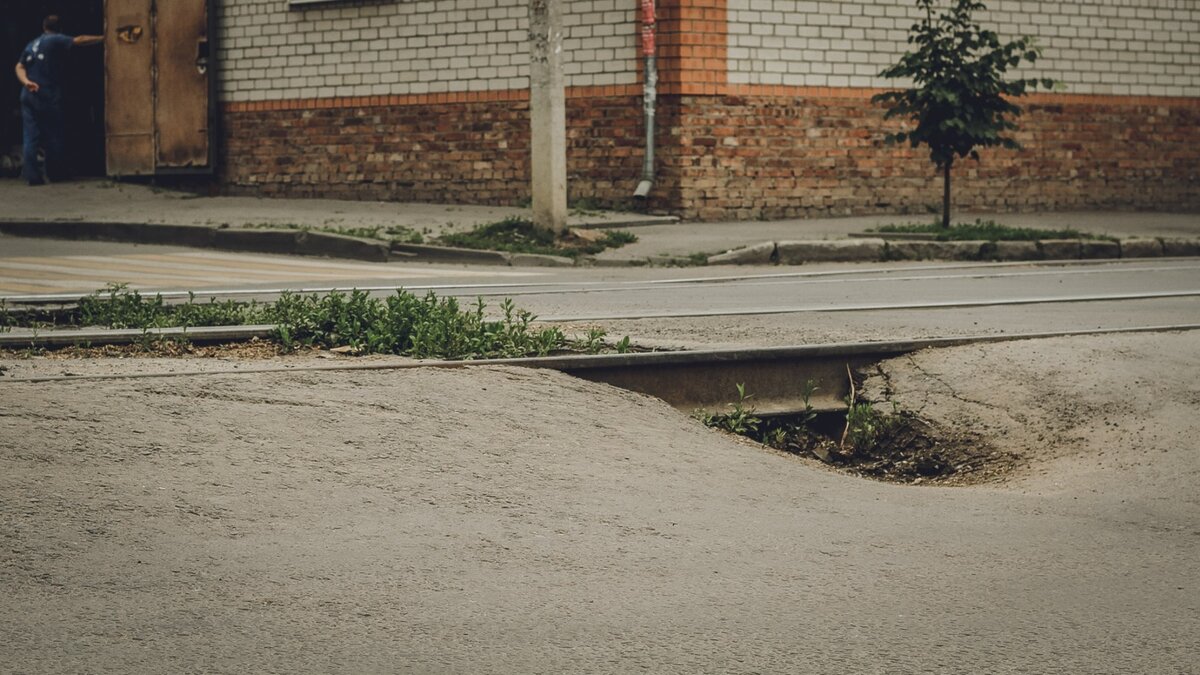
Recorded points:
539,260
449,254
933,250
1181,247
846,250
616,262
258,241
1141,248
1010,250
141,233
1060,249
791,253
759,254
342,246
671,261
170,235
1092,249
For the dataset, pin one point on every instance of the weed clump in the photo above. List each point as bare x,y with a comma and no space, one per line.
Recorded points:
404,324
118,307
512,235
519,235
897,446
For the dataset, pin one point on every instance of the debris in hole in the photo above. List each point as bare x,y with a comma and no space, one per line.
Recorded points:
897,446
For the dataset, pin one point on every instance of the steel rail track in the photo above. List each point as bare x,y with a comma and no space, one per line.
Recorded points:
688,380
948,304
210,334
882,274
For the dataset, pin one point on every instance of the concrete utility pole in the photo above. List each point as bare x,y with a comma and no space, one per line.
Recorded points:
547,115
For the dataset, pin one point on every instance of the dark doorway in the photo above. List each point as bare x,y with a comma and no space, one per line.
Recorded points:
83,80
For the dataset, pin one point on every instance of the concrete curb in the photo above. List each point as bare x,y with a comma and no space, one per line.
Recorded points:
257,241
334,245
139,233
926,250
761,254
1181,247
266,240
448,254
880,250
834,250
539,260
471,256
342,246
245,239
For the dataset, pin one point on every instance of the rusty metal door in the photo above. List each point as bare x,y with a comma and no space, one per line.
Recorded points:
158,91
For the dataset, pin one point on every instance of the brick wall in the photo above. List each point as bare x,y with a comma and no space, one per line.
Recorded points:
764,109
822,154
394,47
1122,47
437,150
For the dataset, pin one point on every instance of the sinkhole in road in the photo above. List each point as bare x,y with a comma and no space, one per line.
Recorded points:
891,445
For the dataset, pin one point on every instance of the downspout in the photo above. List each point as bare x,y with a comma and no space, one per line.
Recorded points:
649,96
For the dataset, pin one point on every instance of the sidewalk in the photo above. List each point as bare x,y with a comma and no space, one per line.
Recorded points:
83,209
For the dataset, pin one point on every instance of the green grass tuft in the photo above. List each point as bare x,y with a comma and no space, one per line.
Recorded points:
519,235
404,323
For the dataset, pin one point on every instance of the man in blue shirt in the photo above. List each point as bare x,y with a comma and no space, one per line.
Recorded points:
40,72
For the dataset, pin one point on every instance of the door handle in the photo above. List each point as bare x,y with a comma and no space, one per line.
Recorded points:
129,34
202,55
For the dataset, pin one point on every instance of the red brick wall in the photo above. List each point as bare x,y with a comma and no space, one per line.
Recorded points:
474,152
740,157
746,155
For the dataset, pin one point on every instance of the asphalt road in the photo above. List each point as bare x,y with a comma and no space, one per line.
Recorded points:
675,306
508,521
512,521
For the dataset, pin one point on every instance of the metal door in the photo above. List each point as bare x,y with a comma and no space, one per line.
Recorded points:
158,89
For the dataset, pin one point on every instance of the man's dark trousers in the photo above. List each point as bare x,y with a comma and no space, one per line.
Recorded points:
44,127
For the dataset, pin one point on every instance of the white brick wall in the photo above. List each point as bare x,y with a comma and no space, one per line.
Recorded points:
268,52
1120,47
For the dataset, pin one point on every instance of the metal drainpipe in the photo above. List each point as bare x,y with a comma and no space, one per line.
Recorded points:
649,96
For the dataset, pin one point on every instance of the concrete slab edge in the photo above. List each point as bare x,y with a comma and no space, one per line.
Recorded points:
266,240
881,250
570,364
248,240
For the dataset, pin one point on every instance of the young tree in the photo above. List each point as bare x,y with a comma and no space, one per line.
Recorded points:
959,98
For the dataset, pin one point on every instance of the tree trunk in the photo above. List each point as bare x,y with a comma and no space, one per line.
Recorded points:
946,195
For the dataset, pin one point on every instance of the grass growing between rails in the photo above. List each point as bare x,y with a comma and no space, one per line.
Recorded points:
985,230
404,324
